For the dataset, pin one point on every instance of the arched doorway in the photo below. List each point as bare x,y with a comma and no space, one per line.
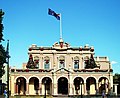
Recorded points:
78,85
103,85
62,85
47,85
91,85
21,85
33,85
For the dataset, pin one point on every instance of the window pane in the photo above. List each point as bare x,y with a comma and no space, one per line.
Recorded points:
76,64
61,64
46,66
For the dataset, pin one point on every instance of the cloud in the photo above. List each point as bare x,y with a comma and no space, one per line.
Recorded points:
114,62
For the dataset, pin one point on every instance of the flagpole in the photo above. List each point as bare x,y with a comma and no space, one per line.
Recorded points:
60,26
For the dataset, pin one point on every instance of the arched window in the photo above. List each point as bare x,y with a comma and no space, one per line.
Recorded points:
36,61
46,62
61,62
76,62
86,61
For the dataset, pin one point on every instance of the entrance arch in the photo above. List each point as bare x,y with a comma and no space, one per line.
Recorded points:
103,85
78,85
91,85
33,85
47,85
62,85
21,85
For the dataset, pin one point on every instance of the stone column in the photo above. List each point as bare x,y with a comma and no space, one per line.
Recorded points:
115,86
111,82
16,88
97,88
27,88
85,92
55,88
70,85
43,89
40,88
52,92
55,85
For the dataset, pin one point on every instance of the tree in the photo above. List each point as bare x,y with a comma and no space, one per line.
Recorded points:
2,50
116,78
1,25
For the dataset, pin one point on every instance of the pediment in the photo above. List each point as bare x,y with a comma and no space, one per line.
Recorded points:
61,45
62,70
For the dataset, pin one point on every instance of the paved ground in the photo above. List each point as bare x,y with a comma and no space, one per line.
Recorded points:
1,96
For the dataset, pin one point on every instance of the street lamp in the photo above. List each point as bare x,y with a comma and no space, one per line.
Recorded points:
81,89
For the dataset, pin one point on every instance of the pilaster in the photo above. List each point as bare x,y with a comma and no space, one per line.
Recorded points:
70,85
85,92
40,88
55,84
27,88
12,86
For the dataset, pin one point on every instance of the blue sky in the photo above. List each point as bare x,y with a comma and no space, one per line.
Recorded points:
93,22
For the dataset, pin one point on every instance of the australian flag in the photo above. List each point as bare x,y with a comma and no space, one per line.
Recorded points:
51,12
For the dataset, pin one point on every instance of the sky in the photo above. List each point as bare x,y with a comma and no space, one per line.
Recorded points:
93,22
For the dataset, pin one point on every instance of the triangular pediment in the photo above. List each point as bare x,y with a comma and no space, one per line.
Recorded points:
62,70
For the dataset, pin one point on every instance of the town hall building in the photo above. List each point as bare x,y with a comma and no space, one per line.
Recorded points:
61,69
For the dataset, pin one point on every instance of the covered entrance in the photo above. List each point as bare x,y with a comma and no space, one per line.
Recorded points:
78,85
62,85
47,86
103,85
91,85
20,85
33,85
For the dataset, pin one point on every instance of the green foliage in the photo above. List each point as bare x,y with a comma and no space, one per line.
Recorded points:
116,78
2,71
2,60
1,25
2,50
2,55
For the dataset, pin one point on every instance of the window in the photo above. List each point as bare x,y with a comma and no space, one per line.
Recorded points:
46,63
76,62
61,62
36,61
86,61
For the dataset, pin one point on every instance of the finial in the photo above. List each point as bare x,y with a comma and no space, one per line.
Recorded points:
61,40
